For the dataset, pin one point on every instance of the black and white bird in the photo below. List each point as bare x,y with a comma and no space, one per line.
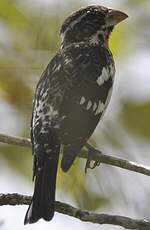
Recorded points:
70,99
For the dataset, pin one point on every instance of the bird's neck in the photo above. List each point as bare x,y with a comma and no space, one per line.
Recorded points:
92,42
99,39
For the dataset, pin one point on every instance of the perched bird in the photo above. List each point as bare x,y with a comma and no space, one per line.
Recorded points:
71,97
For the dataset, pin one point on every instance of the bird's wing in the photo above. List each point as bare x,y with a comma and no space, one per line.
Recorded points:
55,84
47,100
85,101
45,141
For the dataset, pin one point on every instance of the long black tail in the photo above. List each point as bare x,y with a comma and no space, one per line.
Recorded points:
43,200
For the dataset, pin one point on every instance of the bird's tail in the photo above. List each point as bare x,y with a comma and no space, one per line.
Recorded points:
69,154
43,200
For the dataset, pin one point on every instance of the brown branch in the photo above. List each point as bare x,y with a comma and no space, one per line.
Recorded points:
96,155
126,222
15,140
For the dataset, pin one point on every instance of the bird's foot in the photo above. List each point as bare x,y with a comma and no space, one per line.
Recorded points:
90,163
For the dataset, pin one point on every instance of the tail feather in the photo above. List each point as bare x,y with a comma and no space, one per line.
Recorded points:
67,161
48,193
69,154
43,200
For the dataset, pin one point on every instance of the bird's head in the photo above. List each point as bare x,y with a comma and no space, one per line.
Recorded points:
91,24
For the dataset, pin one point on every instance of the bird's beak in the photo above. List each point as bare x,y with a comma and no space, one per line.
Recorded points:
114,17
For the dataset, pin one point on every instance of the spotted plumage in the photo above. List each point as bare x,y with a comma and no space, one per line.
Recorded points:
71,96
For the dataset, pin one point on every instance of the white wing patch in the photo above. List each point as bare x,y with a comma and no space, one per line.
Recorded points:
105,75
89,105
101,107
82,101
107,101
108,98
94,106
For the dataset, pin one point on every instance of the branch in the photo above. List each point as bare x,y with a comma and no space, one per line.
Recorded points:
126,222
96,155
25,142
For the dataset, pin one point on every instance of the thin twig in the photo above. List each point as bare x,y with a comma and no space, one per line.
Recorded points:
25,142
96,155
126,222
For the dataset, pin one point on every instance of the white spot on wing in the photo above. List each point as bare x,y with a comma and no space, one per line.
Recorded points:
94,106
103,77
107,101
101,107
82,100
89,105
108,98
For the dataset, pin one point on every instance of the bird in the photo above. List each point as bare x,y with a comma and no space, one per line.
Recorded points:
70,99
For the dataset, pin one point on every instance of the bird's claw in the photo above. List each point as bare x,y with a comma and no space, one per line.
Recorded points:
89,160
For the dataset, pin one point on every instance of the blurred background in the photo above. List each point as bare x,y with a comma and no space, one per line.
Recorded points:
29,37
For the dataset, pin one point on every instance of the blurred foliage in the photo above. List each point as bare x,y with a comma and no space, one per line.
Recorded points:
120,35
77,185
135,117
19,158
29,38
